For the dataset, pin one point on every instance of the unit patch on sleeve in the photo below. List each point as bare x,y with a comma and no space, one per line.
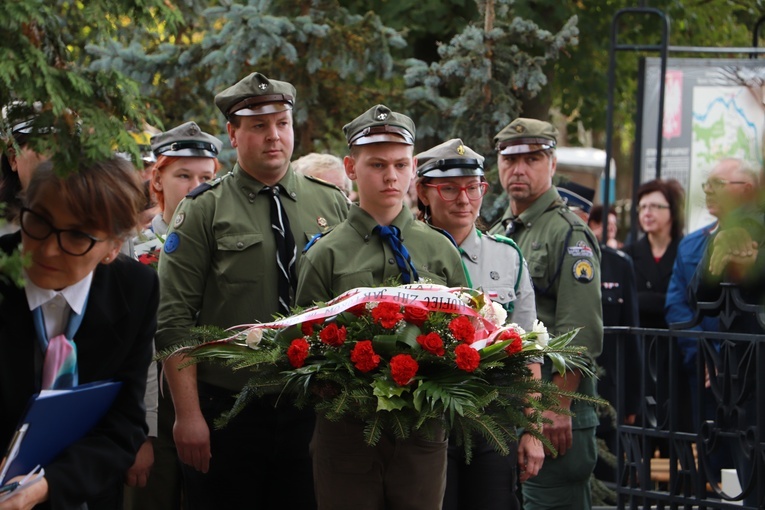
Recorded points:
580,249
583,270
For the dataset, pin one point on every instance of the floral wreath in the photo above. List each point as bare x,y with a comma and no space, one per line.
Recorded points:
401,359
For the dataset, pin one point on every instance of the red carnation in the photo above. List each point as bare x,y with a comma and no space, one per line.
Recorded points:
307,326
297,352
432,343
462,329
149,259
517,343
467,358
332,335
387,314
364,357
403,368
415,315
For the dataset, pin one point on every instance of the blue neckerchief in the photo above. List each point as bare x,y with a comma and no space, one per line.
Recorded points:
392,235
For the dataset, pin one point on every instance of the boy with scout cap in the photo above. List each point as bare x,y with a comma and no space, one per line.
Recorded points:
450,188
230,258
564,262
380,240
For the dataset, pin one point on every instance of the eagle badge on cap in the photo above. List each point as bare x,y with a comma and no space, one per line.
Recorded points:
263,86
382,116
461,150
519,128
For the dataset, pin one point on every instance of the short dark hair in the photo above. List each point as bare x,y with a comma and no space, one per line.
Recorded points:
105,195
596,214
675,194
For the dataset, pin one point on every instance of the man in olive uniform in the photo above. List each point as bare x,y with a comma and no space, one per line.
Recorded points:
380,240
564,264
230,259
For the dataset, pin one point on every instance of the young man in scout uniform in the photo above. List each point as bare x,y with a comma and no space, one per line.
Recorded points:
380,240
230,259
564,264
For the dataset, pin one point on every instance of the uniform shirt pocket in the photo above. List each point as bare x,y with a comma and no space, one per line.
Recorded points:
238,257
537,262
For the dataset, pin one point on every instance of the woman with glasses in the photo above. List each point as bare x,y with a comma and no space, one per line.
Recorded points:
84,314
660,205
450,189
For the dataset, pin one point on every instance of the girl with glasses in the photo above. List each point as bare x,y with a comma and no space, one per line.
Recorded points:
450,189
80,298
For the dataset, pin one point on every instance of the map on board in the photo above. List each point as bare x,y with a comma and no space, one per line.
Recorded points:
713,109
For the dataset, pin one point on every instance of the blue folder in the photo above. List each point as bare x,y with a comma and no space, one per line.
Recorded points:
55,419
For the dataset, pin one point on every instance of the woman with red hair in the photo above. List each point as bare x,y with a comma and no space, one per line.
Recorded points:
186,158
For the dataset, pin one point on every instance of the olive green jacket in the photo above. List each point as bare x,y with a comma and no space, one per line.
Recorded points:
218,266
353,256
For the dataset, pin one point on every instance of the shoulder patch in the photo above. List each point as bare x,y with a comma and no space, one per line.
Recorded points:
580,249
205,186
445,233
172,242
315,238
583,270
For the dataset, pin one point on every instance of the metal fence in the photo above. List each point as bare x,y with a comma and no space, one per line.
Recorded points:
694,440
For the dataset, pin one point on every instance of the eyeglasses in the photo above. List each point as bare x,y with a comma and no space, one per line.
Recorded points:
72,242
652,207
450,192
717,184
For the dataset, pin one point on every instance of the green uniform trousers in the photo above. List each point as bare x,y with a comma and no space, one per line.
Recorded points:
563,483
396,474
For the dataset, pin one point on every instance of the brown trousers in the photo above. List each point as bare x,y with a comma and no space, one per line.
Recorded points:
395,474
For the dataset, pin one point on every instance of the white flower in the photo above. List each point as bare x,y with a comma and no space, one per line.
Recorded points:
541,333
517,328
466,298
254,336
494,313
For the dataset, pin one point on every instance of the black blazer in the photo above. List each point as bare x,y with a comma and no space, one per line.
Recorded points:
652,280
114,341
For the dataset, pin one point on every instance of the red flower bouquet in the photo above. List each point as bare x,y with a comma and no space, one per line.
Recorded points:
399,358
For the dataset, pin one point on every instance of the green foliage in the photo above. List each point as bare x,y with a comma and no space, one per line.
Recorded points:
339,62
10,268
482,77
41,60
